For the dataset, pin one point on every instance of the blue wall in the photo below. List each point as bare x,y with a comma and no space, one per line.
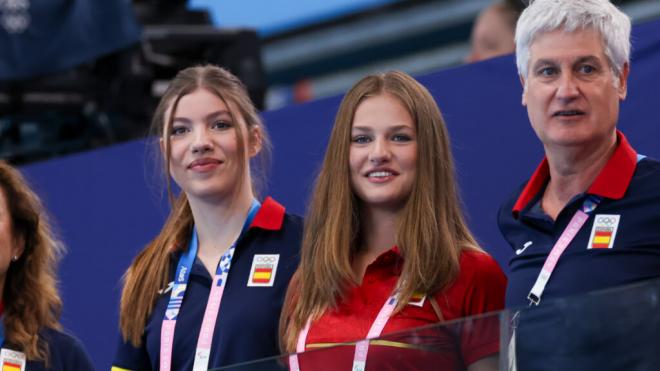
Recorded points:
108,206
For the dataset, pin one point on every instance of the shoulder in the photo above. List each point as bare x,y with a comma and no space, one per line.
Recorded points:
643,194
293,221
66,351
61,340
288,234
280,226
647,175
273,216
479,266
479,286
275,231
509,226
288,239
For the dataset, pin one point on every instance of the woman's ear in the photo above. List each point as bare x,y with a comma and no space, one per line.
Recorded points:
255,142
18,248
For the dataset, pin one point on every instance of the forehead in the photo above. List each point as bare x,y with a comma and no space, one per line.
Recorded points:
199,101
382,110
560,45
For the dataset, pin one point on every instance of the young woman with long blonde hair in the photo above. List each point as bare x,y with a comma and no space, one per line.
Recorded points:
208,290
385,246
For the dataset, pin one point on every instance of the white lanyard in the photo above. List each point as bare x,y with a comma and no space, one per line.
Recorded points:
203,350
574,226
361,347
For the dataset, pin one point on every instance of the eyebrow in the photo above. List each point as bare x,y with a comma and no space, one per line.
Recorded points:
212,115
393,128
578,60
587,58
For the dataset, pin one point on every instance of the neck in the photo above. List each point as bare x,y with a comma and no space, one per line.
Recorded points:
378,228
218,224
572,171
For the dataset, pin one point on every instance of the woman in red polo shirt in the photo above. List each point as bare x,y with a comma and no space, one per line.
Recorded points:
385,246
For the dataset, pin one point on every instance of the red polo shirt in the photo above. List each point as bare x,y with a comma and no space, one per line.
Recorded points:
479,288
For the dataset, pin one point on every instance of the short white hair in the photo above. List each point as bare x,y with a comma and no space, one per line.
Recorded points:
569,15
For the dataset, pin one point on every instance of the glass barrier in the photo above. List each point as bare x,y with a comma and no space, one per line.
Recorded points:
613,329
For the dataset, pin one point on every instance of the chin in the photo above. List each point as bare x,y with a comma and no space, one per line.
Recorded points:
572,137
389,203
208,192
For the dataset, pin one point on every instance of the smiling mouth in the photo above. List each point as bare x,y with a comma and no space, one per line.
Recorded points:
379,174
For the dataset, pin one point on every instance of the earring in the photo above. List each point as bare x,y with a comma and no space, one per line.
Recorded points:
15,258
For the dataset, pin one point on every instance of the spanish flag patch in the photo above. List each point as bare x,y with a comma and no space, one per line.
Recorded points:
12,360
604,231
264,268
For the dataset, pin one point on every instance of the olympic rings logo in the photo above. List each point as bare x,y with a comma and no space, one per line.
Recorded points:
265,259
606,220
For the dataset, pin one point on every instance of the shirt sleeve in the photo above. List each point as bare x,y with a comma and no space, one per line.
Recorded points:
78,358
66,352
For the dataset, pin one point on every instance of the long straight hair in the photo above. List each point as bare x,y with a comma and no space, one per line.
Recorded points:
431,231
150,271
30,296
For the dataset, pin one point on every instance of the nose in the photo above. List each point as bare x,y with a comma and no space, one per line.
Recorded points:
380,152
568,87
201,142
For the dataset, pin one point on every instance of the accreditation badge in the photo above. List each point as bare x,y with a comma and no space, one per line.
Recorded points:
12,360
264,267
603,231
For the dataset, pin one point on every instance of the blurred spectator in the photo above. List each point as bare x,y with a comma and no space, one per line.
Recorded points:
492,33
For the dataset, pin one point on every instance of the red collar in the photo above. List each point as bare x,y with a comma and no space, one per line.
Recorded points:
390,257
612,182
270,215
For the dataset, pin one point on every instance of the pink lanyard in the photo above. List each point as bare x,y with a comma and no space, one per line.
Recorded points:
574,226
203,351
578,220
361,347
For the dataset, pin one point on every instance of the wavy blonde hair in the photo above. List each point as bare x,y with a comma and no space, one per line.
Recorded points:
431,231
30,295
